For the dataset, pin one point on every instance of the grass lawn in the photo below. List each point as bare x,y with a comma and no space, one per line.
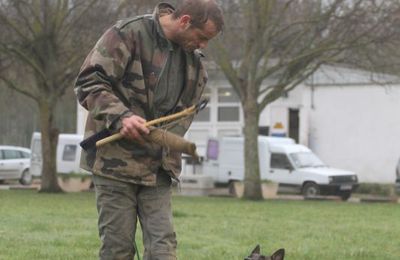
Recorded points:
64,226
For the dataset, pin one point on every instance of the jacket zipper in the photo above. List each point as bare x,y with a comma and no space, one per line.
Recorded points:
158,81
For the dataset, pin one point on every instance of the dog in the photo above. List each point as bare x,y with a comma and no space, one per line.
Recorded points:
255,255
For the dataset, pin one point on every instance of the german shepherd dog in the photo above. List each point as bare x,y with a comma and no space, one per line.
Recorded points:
255,255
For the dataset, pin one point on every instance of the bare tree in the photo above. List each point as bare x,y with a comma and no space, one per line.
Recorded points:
277,44
41,50
42,45
129,8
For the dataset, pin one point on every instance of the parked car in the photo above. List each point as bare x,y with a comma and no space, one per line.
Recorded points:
15,164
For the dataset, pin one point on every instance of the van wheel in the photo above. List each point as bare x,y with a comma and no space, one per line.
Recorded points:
26,178
310,189
345,195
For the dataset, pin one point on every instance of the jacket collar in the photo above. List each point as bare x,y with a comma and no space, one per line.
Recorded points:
160,10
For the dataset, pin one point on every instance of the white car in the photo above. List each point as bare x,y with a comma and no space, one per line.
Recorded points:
15,164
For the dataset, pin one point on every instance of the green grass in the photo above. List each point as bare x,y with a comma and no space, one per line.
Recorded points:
64,226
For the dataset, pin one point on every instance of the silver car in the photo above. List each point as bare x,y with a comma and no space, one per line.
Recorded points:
14,164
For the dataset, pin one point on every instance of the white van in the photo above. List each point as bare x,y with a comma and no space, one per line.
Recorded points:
68,154
295,167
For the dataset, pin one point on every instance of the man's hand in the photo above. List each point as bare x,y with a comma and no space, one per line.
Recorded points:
133,127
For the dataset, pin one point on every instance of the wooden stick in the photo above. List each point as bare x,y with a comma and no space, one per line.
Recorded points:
117,136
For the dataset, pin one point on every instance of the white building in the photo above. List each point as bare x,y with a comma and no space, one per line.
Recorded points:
348,117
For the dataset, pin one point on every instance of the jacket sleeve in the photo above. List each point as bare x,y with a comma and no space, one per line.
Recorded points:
100,72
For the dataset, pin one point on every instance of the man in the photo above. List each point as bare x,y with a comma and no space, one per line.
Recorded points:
140,69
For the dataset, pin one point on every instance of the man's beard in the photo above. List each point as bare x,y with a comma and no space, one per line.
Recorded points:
184,43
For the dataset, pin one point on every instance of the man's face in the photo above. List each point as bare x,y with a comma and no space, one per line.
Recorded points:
192,38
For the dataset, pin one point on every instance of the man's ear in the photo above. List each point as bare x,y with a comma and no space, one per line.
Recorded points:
185,21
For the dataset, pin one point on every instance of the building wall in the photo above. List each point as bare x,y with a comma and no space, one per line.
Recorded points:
356,128
353,127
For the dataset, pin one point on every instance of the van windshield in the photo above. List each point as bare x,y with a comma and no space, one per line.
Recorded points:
306,159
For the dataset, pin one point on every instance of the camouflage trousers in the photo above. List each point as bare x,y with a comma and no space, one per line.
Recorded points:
120,204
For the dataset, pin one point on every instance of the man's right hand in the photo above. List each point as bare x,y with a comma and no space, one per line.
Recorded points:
133,127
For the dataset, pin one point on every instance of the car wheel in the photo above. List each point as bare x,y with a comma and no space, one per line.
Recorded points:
26,178
345,195
311,189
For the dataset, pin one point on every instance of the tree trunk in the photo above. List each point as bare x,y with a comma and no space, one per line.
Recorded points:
252,182
49,138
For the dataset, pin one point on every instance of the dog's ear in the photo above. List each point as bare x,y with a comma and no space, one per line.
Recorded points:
278,255
256,250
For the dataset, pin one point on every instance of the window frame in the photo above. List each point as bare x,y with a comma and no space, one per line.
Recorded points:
289,166
15,151
227,104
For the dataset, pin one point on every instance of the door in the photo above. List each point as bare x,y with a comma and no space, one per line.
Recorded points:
281,169
294,124
11,164
282,172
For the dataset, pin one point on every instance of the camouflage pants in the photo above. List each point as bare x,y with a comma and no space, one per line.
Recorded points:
120,204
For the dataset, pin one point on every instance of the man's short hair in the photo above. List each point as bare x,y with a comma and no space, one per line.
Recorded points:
201,11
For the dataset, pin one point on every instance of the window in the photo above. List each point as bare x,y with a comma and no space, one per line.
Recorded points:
280,161
11,154
69,153
226,114
212,149
24,154
228,105
204,114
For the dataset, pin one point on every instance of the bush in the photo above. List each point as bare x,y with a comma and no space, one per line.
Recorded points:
376,189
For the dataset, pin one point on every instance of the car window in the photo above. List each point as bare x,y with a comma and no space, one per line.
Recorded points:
69,153
1,154
280,161
11,154
25,154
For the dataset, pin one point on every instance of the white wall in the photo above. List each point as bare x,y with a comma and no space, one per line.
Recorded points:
357,128
279,110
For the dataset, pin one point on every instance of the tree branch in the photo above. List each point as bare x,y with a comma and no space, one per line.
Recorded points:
10,84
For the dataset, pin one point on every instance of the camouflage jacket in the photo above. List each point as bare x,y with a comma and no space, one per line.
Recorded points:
117,80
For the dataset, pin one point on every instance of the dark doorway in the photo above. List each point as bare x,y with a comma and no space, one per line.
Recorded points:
294,124
263,130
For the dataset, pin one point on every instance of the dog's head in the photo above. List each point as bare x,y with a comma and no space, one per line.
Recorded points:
255,255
